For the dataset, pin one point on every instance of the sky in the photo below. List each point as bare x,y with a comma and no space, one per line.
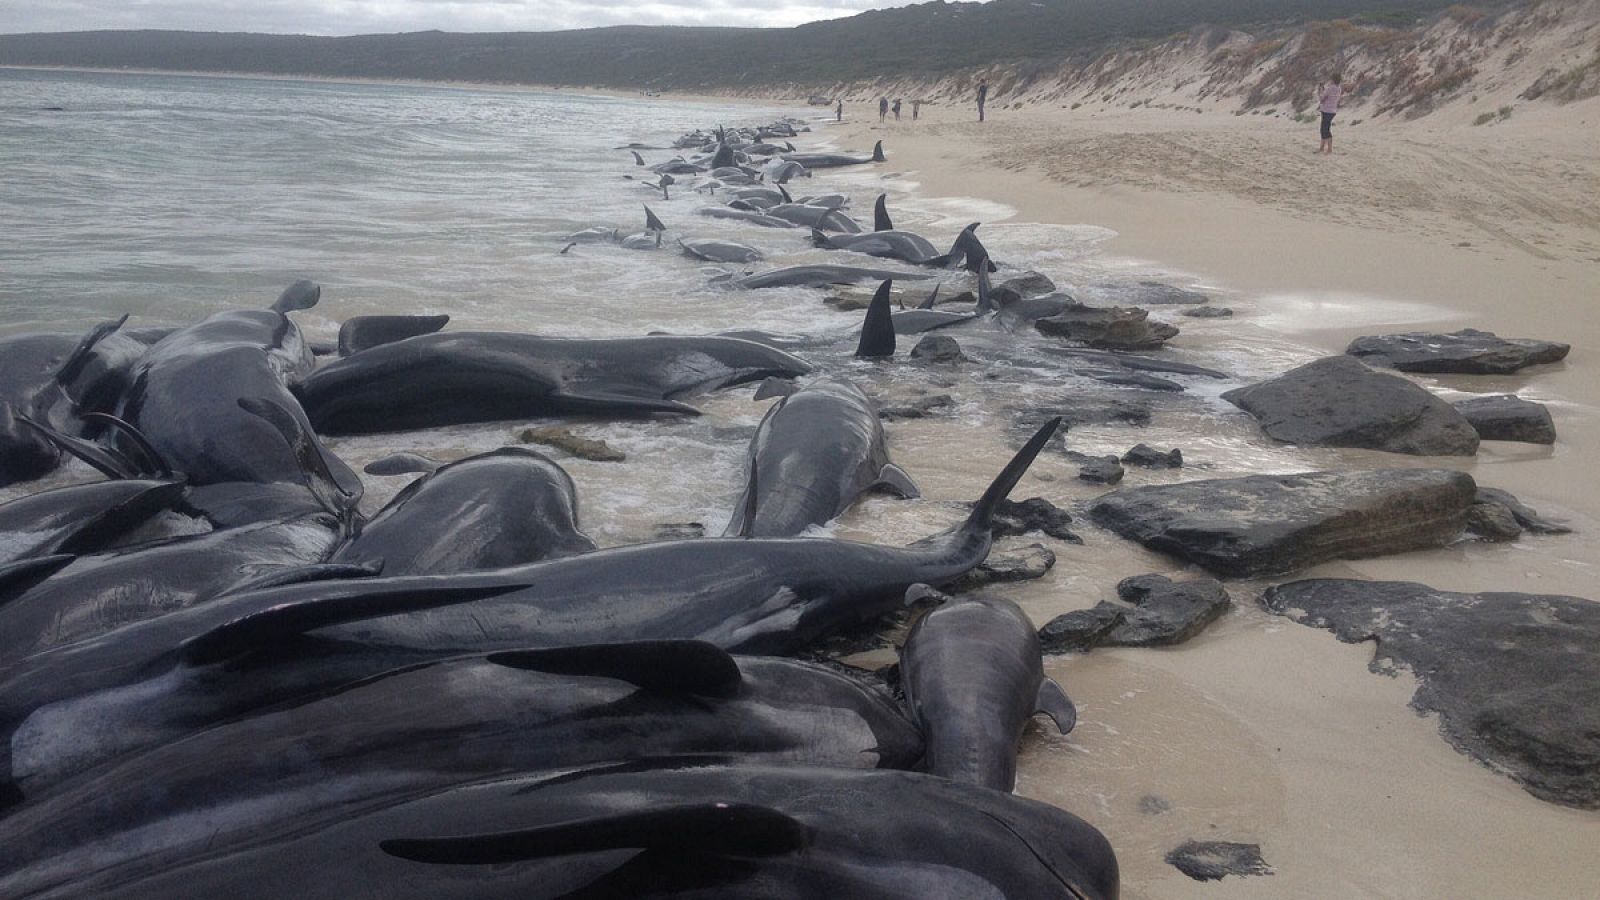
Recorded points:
333,17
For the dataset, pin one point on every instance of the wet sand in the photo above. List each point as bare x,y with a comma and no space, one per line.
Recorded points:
1262,730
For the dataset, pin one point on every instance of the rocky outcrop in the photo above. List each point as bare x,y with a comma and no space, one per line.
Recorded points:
1155,612
1110,327
1213,860
1465,352
564,439
1507,417
1515,678
1272,524
1338,402
938,348
1151,293
918,407
1526,516
1025,564
1208,312
1100,470
1014,517
1151,458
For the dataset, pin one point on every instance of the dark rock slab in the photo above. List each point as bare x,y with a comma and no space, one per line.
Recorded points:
1208,312
1136,362
1272,524
918,408
1110,328
1339,402
1493,522
1014,517
1527,517
1081,629
1025,564
1507,417
1151,458
1214,860
1100,470
938,348
1515,678
1028,284
1159,612
1076,412
564,439
1465,352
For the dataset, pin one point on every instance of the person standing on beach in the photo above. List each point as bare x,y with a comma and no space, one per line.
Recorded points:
1328,97
916,109
896,109
883,108
838,112
983,96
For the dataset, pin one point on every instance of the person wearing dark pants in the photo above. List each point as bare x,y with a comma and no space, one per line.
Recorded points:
883,108
983,97
1328,103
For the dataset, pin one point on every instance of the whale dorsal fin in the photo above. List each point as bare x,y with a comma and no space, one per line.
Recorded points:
877,329
784,193
79,357
1054,702
669,667
637,159
880,214
933,298
986,302
710,828
651,223
877,153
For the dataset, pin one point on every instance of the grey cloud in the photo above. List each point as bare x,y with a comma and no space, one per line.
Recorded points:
380,16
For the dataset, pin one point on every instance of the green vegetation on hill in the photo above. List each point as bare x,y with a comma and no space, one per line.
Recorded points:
925,39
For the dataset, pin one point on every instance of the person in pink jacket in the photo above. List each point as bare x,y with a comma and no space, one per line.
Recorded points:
1328,97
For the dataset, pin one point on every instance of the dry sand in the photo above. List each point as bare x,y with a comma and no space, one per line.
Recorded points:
1262,730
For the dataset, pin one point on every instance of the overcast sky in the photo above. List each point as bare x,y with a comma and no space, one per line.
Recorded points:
374,16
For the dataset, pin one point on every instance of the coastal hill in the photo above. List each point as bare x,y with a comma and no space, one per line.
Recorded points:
1248,54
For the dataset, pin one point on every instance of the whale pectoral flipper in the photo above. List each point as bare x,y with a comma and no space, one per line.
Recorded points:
671,667
622,396
105,460
716,829
1053,702
895,480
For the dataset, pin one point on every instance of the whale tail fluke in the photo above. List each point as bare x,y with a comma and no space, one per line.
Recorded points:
877,329
877,153
880,214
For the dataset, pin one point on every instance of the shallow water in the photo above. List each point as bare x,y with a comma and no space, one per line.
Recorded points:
171,198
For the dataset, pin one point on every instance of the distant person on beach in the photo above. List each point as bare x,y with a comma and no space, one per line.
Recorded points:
883,108
1328,97
916,109
838,112
896,109
983,97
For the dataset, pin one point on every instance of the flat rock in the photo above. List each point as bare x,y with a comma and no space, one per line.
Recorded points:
1493,522
1339,402
1110,328
1100,470
1155,612
1514,678
938,348
1214,860
1208,312
563,439
1014,517
1507,417
678,531
917,408
1526,516
1081,629
1076,412
1028,563
1151,458
1466,352
1272,524
1142,380
1028,284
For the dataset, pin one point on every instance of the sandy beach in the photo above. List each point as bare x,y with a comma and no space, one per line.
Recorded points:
1261,730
